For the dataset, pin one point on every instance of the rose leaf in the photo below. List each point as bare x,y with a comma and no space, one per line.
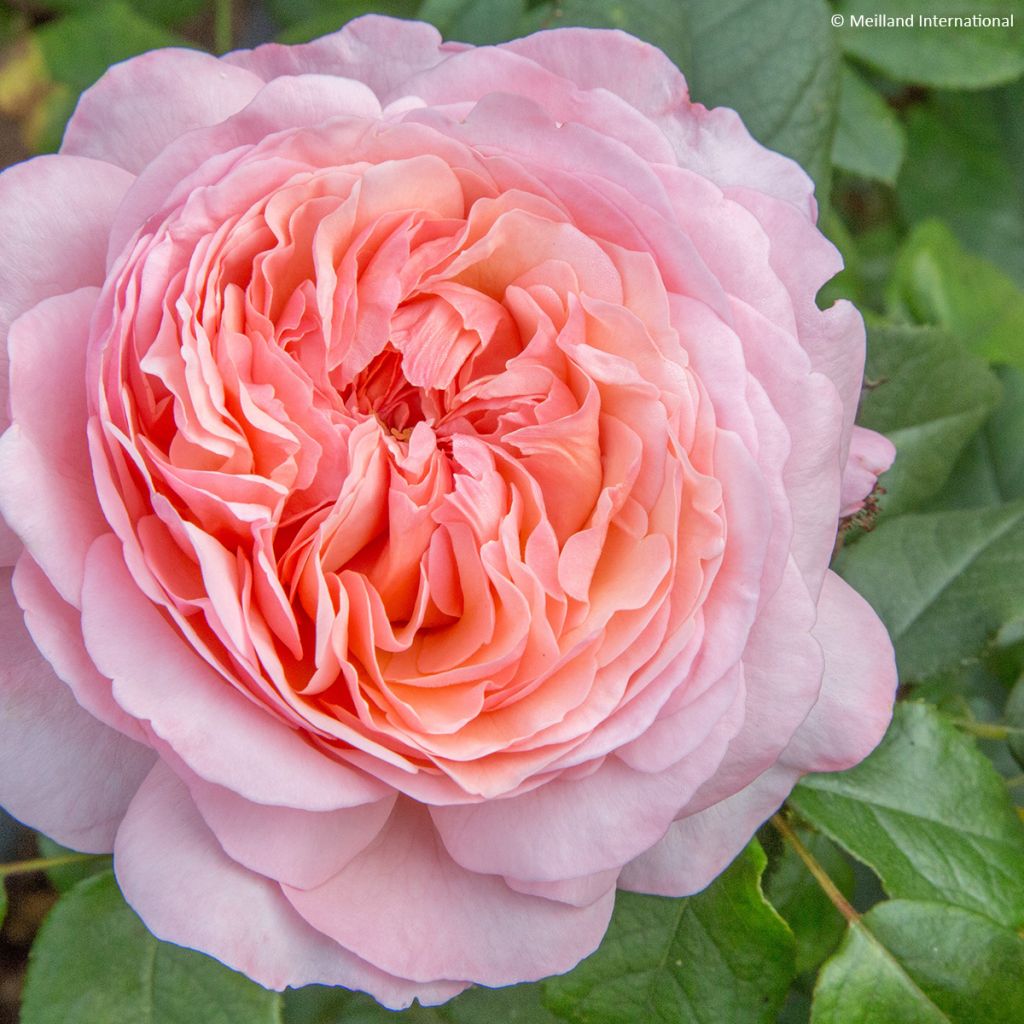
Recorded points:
930,396
722,955
943,56
943,583
923,963
929,814
93,960
870,140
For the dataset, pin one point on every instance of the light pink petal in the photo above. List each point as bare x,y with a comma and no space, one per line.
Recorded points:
47,493
406,906
10,546
871,454
855,705
695,850
55,217
354,52
188,891
716,144
300,848
220,734
844,726
61,771
580,892
56,628
141,105
597,59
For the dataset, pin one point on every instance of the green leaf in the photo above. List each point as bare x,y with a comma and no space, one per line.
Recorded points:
311,19
991,469
475,21
936,281
317,1004
929,814
170,13
775,63
722,955
1014,714
320,1004
923,963
929,397
93,961
3,900
67,876
943,583
869,140
794,893
78,48
947,57
965,162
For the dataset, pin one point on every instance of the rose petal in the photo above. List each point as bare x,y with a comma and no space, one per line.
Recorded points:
406,884
844,726
168,864
85,774
47,493
55,218
142,104
871,454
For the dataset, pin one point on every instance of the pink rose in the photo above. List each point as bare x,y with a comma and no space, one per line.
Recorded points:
422,471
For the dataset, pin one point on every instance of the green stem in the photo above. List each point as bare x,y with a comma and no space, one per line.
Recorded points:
222,25
987,730
839,901
24,867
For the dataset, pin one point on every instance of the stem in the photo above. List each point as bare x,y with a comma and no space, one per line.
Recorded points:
24,867
222,18
839,901
987,730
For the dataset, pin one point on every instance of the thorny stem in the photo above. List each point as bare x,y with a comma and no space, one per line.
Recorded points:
24,867
829,887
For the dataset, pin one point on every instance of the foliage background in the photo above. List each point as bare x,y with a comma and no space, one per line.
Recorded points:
894,892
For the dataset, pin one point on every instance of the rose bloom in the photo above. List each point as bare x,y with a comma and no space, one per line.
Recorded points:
422,469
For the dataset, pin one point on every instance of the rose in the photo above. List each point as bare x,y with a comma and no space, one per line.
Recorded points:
427,461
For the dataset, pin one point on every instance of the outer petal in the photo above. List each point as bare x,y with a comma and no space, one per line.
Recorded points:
301,848
55,217
598,59
56,629
141,105
61,771
354,52
47,492
844,726
168,863
406,906
220,734
871,455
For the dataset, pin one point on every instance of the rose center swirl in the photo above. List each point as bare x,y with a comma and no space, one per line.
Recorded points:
404,454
